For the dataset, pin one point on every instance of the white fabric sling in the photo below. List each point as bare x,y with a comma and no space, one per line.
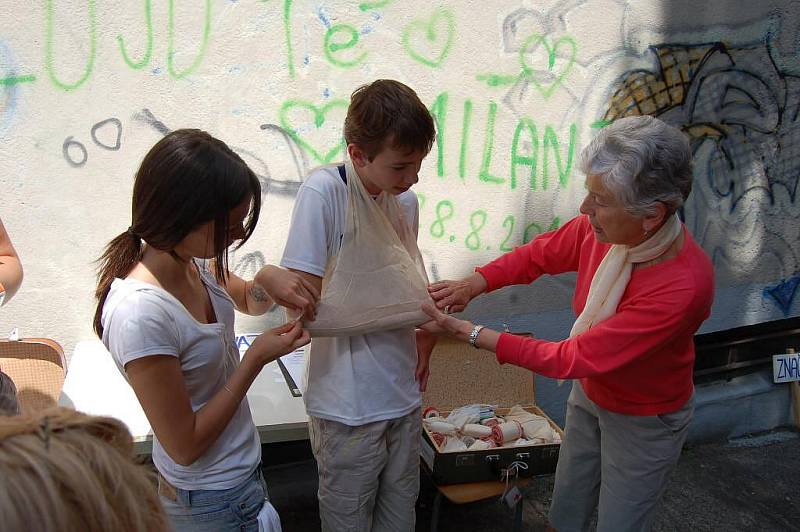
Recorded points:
377,281
614,272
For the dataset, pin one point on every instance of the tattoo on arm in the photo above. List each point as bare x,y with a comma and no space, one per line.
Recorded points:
259,294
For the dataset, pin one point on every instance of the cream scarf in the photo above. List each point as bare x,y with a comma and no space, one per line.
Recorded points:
614,272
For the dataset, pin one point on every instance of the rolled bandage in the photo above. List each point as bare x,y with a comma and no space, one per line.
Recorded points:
490,422
534,427
538,427
430,412
454,444
442,427
464,415
476,431
506,432
481,445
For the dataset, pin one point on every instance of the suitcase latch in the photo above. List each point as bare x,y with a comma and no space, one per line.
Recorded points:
550,453
465,460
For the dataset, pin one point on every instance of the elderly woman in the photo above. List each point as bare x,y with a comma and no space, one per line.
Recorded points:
644,286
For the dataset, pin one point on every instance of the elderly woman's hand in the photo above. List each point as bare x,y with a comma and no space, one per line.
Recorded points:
453,296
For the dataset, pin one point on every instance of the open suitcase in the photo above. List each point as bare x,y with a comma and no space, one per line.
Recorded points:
460,375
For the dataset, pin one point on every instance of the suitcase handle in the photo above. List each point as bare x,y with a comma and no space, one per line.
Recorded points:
494,464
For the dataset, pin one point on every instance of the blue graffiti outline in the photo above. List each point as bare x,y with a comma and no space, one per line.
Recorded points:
783,293
8,113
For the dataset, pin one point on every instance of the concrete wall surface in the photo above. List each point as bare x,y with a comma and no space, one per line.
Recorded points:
517,89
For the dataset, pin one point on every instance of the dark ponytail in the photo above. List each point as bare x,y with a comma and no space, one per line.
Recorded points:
117,261
188,179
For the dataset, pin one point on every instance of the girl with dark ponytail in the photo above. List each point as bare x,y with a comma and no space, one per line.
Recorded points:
166,314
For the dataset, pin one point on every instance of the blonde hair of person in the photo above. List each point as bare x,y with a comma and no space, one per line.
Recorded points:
61,470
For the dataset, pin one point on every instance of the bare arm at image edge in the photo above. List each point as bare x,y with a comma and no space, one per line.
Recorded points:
10,267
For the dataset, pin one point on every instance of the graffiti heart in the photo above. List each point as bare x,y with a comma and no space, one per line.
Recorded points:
554,71
429,41
544,77
302,134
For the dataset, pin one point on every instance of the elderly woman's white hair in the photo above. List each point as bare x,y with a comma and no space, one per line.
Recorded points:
642,161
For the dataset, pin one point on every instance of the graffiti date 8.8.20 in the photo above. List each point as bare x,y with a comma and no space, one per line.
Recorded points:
479,229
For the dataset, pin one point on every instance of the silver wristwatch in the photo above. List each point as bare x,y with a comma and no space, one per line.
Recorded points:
473,335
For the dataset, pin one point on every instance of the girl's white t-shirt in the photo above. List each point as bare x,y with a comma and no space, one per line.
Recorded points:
350,379
141,320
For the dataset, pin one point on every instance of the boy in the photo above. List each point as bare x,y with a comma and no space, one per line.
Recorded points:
362,396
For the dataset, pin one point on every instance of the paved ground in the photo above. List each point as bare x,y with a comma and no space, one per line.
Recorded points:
748,484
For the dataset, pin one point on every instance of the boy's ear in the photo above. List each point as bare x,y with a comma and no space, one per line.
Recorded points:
357,155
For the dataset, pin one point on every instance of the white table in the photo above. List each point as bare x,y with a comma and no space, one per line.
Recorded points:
95,386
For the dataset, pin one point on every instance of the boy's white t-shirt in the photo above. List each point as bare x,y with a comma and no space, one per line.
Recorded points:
350,379
141,320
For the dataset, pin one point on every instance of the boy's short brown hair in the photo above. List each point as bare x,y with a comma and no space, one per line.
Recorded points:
387,111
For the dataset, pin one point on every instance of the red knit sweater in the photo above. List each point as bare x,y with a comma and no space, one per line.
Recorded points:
638,361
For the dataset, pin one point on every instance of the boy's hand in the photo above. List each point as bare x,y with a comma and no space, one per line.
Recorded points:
425,344
431,327
445,323
289,290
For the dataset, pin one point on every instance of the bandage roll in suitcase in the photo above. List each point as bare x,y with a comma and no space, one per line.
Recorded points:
462,375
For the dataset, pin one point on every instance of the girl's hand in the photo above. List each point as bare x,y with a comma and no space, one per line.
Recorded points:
274,343
289,290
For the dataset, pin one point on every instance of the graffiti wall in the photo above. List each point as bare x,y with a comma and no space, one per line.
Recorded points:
517,89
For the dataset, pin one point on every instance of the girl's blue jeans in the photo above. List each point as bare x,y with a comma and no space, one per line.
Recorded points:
234,509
